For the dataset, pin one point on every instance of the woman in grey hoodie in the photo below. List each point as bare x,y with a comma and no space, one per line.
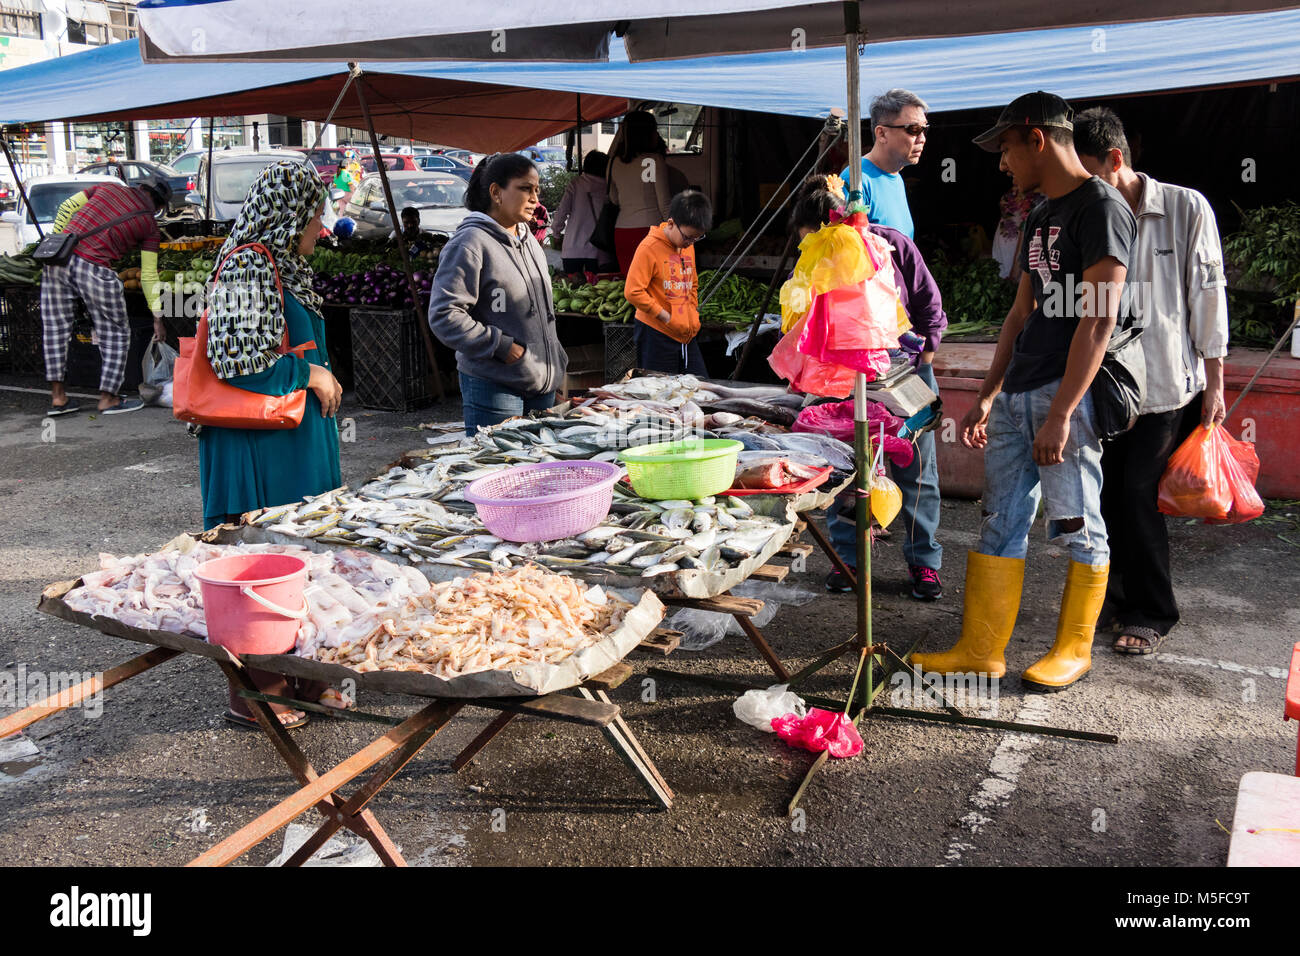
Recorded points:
492,300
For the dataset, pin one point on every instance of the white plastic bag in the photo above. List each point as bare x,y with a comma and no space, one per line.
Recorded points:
759,708
703,629
156,373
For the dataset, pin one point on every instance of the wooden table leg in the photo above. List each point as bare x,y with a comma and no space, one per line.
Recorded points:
73,696
367,826
649,778
482,740
319,790
757,639
636,745
377,781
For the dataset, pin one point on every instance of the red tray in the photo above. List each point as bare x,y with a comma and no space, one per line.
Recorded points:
794,488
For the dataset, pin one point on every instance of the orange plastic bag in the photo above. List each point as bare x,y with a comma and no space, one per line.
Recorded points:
1211,475
1241,466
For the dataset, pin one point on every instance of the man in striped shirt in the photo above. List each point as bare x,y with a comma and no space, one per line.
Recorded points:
112,219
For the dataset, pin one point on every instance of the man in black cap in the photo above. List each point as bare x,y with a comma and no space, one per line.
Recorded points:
1033,416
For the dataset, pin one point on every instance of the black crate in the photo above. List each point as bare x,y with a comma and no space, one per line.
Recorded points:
620,350
20,330
389,364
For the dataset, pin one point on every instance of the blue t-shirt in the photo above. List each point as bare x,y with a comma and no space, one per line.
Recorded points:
885,197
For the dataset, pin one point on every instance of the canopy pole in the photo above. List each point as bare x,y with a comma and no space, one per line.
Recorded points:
207,192
22,190
353,71
862,461
423,322
577,135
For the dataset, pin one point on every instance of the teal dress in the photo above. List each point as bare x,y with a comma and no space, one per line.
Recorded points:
243,468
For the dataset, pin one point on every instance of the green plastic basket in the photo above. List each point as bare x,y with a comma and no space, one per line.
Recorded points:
694,468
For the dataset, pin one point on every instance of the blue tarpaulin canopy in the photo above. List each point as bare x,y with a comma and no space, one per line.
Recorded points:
514,104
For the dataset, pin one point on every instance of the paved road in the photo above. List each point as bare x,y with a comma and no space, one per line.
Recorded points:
158,776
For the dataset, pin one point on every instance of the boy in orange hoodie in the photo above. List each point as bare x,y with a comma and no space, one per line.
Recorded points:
661,284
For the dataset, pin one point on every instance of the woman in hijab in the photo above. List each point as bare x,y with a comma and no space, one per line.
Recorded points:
243,469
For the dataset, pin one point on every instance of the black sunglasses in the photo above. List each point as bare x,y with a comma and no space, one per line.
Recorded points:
913,129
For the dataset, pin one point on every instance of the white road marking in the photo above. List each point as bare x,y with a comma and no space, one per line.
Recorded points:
1278,673
995,791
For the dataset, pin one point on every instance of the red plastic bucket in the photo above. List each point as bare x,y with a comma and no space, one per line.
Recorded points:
253,602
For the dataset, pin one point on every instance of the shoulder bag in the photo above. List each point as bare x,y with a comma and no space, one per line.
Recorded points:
201,398
1120,384
602,236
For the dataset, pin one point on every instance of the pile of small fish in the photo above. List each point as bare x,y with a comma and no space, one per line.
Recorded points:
638,537
346,591
485,622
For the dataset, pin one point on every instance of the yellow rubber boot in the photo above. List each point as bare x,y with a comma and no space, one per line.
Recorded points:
1071,656
988,617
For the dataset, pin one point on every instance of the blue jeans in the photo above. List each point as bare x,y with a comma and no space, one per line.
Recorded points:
487,403
1013,484
919,483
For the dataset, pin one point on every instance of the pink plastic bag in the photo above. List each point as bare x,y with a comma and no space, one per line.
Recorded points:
820,730
839,330
836,420
805,373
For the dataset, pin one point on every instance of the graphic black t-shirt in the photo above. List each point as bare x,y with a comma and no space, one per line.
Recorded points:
1063,237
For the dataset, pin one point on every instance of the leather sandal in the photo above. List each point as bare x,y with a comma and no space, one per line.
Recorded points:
1153,640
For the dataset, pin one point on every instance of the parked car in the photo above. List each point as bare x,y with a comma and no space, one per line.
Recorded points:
445,164
187,163
416,151
231,177
392,162
326,159
47,194
439,197
545,156
8,195
469,158
131,171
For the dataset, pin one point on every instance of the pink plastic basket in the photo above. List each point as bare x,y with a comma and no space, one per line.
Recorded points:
546,501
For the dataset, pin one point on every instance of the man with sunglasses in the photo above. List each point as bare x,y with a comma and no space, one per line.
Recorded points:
898,126
662,285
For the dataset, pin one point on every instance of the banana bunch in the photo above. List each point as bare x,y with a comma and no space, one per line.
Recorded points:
603,300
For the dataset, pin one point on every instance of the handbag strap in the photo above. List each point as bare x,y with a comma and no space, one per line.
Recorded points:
279,288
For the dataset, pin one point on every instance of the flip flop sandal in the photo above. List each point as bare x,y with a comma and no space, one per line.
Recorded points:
124,406
67,408
1153,640
242,721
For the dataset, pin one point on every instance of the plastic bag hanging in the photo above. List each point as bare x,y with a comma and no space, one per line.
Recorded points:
1211,475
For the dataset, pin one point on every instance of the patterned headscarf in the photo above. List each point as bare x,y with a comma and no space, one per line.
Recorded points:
245,317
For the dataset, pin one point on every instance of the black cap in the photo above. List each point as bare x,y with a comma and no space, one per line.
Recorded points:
1032,109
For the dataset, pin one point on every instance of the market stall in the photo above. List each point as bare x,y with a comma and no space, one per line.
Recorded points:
388,565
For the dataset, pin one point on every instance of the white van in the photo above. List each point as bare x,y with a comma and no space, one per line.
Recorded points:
232,176
47,194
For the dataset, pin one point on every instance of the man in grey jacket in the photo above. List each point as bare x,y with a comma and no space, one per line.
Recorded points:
1177,279
492,302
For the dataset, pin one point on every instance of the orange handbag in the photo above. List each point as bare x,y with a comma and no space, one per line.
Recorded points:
201,398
